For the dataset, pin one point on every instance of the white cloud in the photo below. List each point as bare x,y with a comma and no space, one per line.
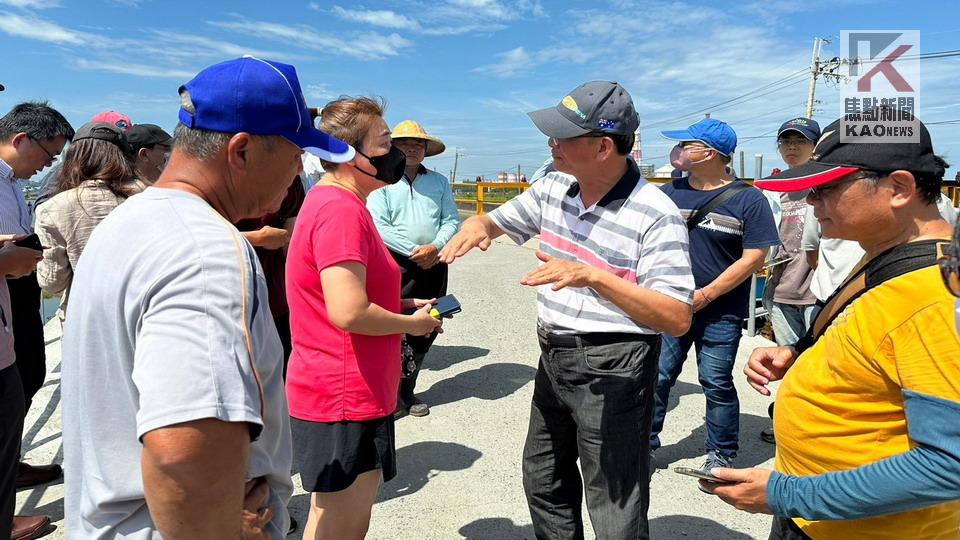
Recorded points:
139,70
383,18
31,4
485,28
485,8
509,64
187,47
456,17
319,92
363,46
32,27
519,61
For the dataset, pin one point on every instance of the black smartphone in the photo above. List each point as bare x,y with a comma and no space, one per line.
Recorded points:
447,305
32,241
697,473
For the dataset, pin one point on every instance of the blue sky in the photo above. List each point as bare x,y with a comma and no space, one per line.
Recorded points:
469,70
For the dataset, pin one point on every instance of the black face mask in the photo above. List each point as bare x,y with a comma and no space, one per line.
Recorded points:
390,166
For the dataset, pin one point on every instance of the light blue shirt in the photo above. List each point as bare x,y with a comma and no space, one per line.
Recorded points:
408,216
15,214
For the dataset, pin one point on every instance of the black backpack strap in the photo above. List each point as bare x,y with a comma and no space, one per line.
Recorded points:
892,263
697,217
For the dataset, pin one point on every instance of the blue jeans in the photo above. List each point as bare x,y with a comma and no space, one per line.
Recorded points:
716,342
791,322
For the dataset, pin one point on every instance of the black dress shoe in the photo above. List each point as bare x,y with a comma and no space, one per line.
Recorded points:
34,475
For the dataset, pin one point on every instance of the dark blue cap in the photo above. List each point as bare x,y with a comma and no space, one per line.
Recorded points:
713,133
808,127
259,97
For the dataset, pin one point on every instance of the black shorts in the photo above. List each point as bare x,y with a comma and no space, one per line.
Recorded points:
330,455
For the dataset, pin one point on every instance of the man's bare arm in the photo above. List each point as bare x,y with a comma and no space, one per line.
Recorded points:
193,478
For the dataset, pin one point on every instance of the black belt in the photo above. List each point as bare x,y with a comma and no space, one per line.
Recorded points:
591,339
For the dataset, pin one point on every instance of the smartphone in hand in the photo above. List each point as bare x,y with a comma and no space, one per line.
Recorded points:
447,306
697,473
32,241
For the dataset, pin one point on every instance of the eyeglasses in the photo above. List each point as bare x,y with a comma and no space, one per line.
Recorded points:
45,151
553,141
793,142
950,266
825,190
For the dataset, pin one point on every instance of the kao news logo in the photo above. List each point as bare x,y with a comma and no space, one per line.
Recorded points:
883,82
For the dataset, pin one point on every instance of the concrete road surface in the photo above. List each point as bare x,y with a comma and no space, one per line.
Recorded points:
459,467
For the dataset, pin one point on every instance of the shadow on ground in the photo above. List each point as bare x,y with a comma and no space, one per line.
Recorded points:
499,528
441,357
490,382
679,390
419,462
670,527
753,451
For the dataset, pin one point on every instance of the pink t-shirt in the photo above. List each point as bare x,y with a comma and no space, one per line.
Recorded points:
335,375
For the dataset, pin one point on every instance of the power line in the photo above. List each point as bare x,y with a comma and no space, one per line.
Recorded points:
785,81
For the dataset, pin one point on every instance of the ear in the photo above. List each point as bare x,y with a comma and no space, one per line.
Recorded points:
142,153
606,149
238,151
904,189
18,138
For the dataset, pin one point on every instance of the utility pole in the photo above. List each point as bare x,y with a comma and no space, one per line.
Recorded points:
456,158
518,173
814,71
828,70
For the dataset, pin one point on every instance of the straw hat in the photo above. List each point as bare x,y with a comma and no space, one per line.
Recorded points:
408,129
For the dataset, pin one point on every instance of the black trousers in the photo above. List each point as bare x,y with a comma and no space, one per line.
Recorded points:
592,401
415,282
11,430
28,334
282,321
786,529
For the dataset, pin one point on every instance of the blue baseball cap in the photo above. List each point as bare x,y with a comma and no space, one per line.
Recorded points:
259,97
808,127
713,133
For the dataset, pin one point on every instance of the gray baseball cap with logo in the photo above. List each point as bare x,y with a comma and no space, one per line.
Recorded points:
596,106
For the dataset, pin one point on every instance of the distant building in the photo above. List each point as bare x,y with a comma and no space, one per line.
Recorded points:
636,153
510,178
663,172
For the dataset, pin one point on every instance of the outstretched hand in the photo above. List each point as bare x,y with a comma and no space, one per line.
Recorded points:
561,273
472,234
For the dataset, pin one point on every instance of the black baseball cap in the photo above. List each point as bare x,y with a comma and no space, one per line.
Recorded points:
591,107
102,131
808,127
833,159
144,135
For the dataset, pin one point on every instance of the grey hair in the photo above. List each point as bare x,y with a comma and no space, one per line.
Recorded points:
202,144
199,143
